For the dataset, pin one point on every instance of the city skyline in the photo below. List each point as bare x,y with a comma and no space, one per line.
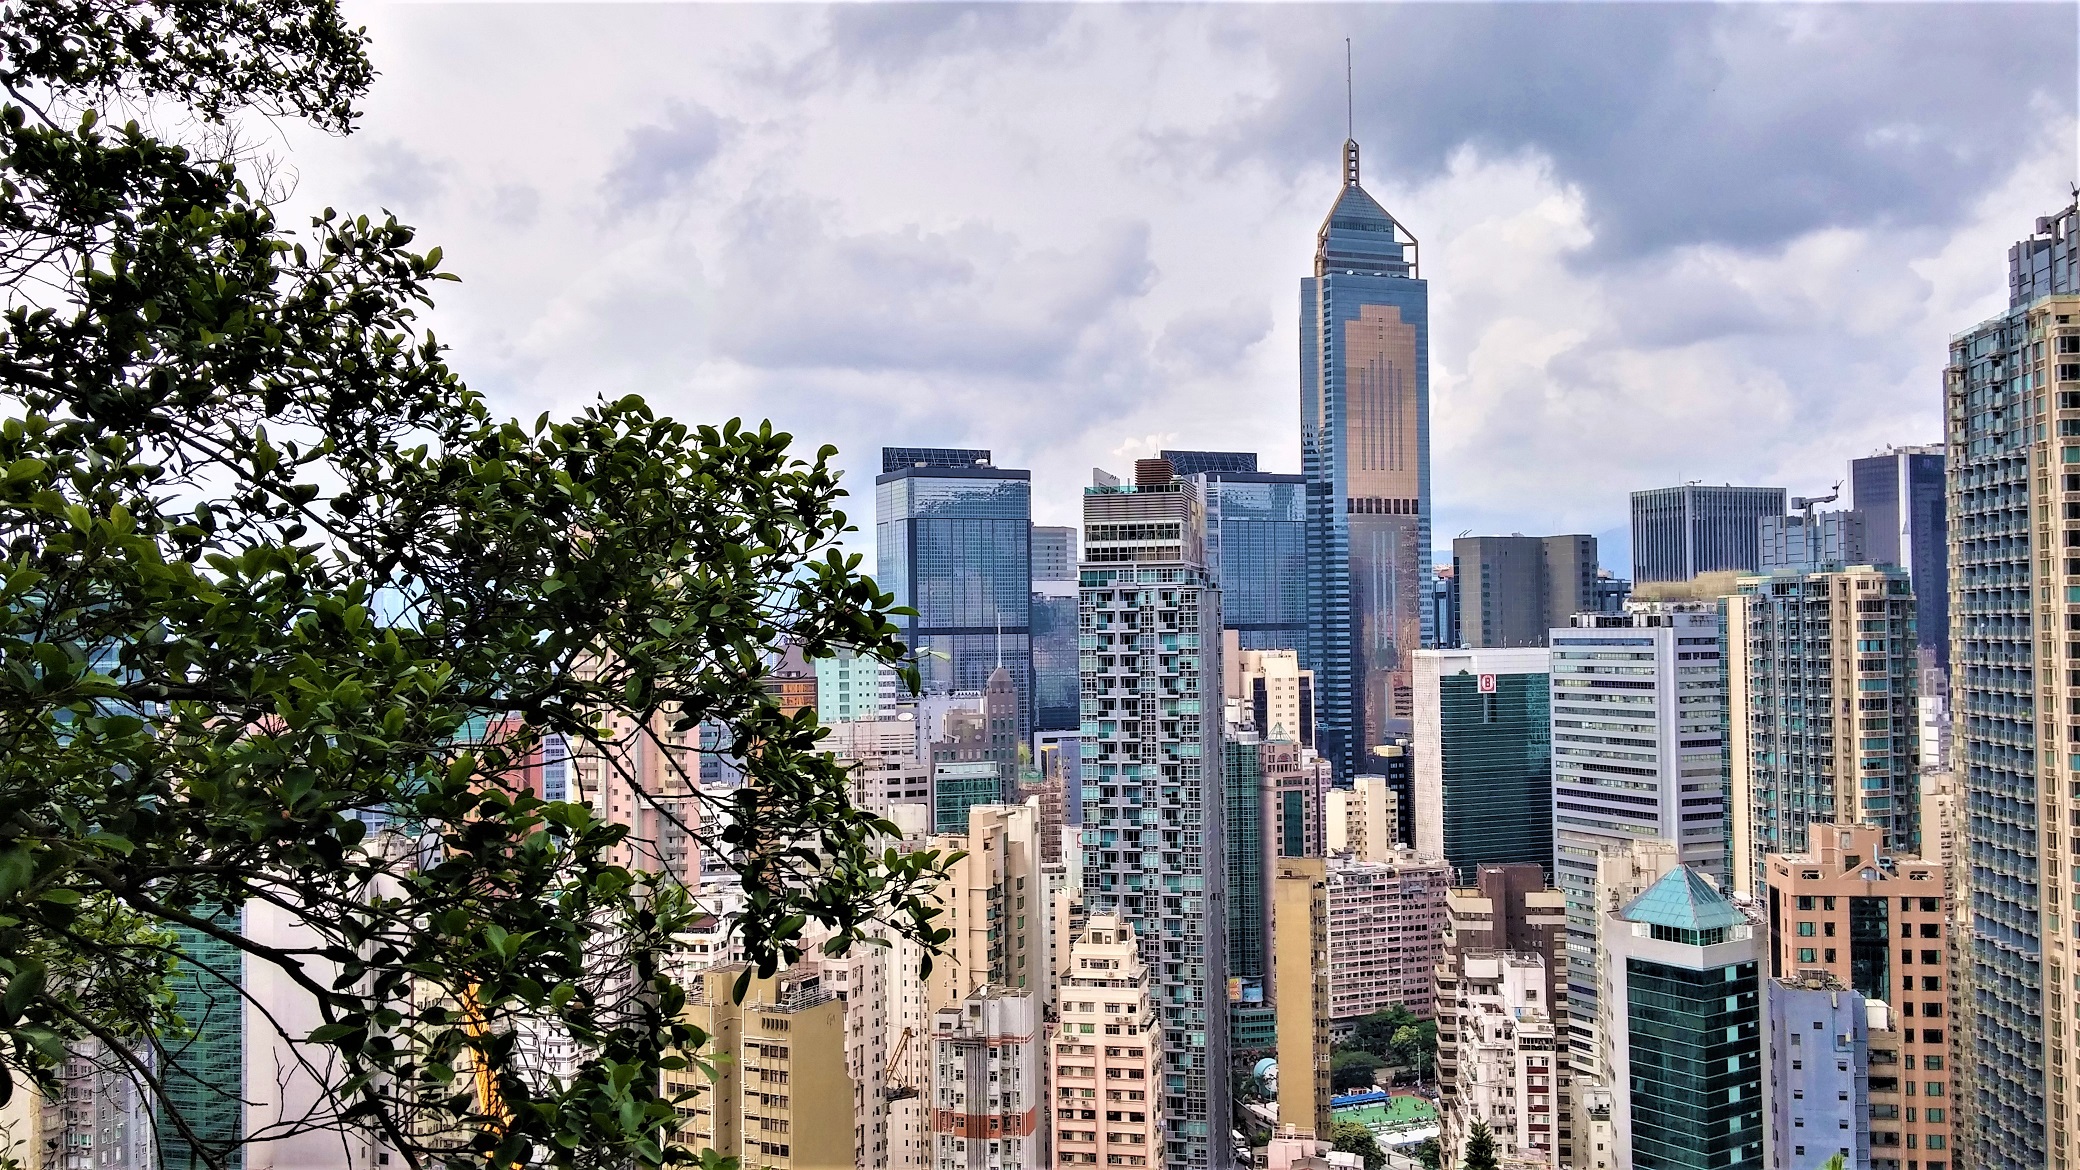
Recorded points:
1113,276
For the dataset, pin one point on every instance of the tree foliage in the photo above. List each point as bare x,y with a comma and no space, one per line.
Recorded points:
285,609
1480,1148
1351,1138
1351,1070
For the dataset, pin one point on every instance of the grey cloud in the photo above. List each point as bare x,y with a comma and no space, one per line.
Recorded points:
402,179
1215,339
795,295
1736,124
658,159
515,204
896,37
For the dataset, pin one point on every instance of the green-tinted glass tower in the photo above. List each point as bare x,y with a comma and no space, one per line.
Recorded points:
1484,757
204,1070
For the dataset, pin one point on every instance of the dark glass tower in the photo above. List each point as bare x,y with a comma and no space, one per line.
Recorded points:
1256,543
1900,494
953,541
1365,451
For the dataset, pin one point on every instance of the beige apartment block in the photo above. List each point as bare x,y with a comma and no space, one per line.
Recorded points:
1300,951
776,1093
1107,1061
994,904
1511,1053
1364,820
1271,687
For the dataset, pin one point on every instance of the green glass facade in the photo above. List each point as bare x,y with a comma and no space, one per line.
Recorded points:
204,1070
958,787
1248,915
1497,750
1696,1066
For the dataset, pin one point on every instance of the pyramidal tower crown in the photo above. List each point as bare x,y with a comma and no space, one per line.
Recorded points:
1359,238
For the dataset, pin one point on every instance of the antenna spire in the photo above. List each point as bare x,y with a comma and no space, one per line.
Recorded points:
1350,102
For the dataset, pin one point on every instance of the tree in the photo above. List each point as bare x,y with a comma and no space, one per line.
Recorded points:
1480,1148
1352,1070
1839,1161
1351,1138
1430,1154
285,610
1415,1046
1376,1031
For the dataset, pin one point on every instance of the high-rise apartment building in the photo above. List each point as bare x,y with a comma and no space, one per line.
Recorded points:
1363,820
1638,708
1484,764
1680,532
1510,1057
1108,1064
1301,993
887,763
1508,909
1819,1056
1277,695
993,906
1299,784
1880,923
1365,450
1683,985
1513,589
2012,386
1154,851
1623,872
850,687
954,542
776,1064
1386,932
988,1083
1821,720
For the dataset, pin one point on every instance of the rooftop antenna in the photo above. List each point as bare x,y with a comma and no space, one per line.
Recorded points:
1350,101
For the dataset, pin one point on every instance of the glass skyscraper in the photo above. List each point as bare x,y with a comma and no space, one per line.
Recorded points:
953,540
1900,494
1680,532
1256,542
1484,757
1365,452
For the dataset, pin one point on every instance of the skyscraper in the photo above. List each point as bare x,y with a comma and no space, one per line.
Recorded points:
1900,493
1680,532
1053,623
1484,758
1638,707
2013,384
1513,589
953,540
1154,840
1256,544
1365,451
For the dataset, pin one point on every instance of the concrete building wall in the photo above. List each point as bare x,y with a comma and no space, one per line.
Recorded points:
1386,926
1107,1064
1301,989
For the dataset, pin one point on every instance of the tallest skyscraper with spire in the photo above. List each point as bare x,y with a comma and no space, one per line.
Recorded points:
1365,449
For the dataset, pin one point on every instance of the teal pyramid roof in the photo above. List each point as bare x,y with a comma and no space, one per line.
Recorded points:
1682,899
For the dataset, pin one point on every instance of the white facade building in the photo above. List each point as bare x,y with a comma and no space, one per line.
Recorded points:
989,1083
1509,1054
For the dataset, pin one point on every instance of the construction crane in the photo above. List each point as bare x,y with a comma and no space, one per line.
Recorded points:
892,1089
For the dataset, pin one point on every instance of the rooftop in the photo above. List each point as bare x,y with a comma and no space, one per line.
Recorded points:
1684,900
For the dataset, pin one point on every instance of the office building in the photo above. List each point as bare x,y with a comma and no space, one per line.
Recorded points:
1302,993
1680,532
953,541
1809,542
1623,872
1444,608
1821,719
1053,617
775,1062
1819,1056
1512,589
1880,923
1483,761
1277,695
1507,909
1054,554
1256,545
1154,849
1108,1066
1062,751
1684,1052
1299,784
1364,820
2013,383
203,1072
1612,592
1365,450
1638,708
1900,493
1386,933
1509,1060
1250,849
1396,763
988,1084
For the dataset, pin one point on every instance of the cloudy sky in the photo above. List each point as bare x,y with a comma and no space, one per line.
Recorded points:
1663,242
